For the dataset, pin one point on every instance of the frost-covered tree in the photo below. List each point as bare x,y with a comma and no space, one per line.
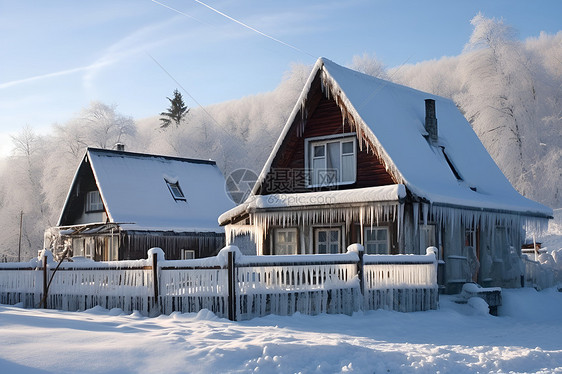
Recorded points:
370,65
23,207
499,98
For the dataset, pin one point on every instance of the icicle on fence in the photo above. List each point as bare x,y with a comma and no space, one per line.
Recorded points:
284,285
230,285
405,284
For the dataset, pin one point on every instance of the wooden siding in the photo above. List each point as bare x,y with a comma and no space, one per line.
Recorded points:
287,171
135,245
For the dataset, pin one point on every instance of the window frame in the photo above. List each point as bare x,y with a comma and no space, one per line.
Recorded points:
431,230
175,190
184,252
97,206
376,242
316,231
310,143
276,243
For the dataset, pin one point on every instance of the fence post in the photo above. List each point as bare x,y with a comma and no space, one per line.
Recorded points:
360,271
231,286
45,281
155,274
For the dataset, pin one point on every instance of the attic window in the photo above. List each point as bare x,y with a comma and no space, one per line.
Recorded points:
451,166
93,202
175,190
331,160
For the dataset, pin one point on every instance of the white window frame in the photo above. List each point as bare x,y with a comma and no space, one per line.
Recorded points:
310,143
94,202
187,254
282,248
329,242
377,242
175,190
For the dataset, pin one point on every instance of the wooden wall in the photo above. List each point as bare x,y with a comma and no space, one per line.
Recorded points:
324,118
136,244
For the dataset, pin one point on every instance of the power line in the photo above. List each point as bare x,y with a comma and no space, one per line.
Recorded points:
238,22
180,12
192,98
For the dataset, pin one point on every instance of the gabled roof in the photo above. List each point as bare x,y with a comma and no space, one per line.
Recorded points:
135,193
391,117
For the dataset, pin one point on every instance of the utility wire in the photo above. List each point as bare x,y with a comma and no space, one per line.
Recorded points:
180,12
240,23
192,98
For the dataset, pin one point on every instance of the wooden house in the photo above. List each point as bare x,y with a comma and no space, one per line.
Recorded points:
121,204
363,160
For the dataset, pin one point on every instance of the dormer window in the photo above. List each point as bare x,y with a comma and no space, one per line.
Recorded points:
331,161
452,166
176,191
93,202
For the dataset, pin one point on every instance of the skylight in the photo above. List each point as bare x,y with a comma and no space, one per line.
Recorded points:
451,166
175,190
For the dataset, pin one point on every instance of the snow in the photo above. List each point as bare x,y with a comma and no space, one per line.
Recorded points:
393,193
135,193
459,338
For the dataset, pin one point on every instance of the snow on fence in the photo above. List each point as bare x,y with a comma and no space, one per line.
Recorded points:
536,276
230,285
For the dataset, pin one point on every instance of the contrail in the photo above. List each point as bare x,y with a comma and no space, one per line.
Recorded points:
238,22
50,75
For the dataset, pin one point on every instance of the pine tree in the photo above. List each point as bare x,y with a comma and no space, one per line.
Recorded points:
176,112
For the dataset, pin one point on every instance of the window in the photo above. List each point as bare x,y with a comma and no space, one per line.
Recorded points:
451,166
175,190
328,240
285,241
331,161
187,254
376,241
427,237
469,237
93,202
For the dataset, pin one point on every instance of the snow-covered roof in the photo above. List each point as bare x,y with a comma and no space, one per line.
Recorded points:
393,193
392,118
135,192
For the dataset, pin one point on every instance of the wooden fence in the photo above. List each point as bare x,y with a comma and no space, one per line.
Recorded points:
230,285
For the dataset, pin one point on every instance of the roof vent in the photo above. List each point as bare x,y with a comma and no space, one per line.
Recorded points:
431,120
120,147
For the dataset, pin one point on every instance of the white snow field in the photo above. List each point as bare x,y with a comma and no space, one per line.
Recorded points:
526,337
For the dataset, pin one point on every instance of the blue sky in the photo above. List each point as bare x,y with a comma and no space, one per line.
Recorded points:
57,56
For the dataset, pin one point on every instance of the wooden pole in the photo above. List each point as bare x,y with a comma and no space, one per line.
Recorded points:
231,287
155,276
360,271
19,243
45,287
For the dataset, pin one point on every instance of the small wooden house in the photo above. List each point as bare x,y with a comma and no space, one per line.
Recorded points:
363,160
121,204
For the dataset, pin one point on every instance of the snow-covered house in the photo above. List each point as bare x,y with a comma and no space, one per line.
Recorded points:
121,204
363,160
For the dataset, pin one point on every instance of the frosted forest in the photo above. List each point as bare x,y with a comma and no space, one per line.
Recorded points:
510,90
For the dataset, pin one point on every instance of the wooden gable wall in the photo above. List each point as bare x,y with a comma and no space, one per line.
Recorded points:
75,206
324,118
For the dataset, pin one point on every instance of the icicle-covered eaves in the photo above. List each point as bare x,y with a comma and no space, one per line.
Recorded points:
457,216
331,88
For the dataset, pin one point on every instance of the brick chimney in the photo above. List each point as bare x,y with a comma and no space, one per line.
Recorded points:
431,120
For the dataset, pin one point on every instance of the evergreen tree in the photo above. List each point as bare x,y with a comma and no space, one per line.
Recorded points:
176,112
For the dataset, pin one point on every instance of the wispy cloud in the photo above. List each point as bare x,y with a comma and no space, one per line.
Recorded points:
61,73
135,43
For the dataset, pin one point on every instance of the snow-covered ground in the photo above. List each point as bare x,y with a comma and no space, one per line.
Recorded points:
526,337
